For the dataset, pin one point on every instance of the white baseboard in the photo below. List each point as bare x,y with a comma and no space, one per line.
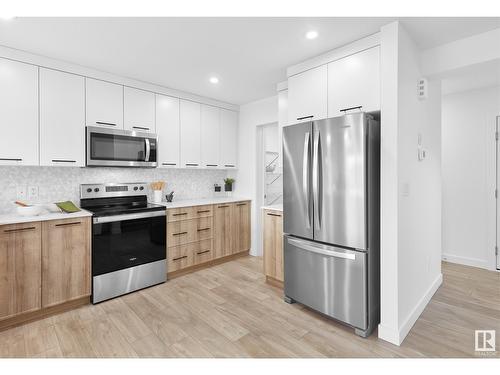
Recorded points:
466,261
396,336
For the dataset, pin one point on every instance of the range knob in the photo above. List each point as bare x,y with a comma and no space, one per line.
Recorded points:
141,188
89,190
96,190
135,188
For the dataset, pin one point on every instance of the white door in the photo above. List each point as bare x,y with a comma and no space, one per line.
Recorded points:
354,81
104,104
210,136
229,139
168,131
307,95
138,110
18,113
62,118
190,115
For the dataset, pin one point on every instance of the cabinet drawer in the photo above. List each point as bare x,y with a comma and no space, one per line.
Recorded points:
187,231
203,251
186,213
180,257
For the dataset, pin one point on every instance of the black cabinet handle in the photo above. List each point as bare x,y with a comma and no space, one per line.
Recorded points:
105,123
191,164
67,224
229,165
202,229
179,234
203,211
11,159
212,165
203,252
270,214
241,204
303,118
182,213
19,229
63,161
140,127
351,108
179,258
168,163
222,206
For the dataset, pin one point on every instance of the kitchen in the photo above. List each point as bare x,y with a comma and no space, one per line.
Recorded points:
100,259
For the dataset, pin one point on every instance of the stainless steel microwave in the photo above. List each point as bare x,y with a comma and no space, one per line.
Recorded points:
120,148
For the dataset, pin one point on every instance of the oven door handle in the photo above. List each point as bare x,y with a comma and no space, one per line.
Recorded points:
114,218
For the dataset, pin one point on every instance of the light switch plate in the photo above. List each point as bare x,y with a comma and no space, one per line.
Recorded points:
32,193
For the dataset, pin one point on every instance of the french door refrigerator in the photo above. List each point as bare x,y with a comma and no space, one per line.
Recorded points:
331,204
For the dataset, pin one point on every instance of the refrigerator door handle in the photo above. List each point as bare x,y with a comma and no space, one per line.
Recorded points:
305,176
321,249
317,179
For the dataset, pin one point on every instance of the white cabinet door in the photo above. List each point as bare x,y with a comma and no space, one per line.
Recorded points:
62,118
229,139
307,95
168,131
190,114
138,110
18,113
210,136
354,81
104,104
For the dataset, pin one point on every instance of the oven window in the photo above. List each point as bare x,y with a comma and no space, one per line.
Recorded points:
117,147
123,244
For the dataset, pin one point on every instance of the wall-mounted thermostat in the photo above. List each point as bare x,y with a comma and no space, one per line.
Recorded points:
422,88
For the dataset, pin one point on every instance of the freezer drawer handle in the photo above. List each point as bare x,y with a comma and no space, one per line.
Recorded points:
321,250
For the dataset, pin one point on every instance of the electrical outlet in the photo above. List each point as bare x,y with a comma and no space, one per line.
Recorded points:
33,193
21,193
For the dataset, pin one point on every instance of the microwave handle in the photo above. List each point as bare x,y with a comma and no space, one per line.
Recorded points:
148,149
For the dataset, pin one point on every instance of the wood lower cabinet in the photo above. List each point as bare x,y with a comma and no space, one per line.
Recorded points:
241,230
20,269
223,219
65,260
273,244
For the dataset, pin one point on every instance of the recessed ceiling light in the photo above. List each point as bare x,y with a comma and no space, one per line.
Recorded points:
214,80
312,34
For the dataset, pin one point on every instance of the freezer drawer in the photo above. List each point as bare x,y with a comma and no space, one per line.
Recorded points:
328,279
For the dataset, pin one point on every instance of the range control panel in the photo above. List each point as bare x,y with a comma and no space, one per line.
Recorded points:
113,190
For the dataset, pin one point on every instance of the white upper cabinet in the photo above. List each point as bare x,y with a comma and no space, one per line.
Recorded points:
138,110
354,81
307,95
210,136
62,118
168,131
229,138
104,104
190,115
18,113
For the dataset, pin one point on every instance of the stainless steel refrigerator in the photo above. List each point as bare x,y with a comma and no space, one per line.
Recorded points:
331,203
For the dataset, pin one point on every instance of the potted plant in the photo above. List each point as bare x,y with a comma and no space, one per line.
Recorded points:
228,184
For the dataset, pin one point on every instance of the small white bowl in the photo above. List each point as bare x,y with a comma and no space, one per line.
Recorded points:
29,211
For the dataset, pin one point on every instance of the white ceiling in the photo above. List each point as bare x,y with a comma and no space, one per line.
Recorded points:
471,78
249,55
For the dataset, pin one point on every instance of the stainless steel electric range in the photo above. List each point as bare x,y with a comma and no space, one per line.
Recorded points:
128,239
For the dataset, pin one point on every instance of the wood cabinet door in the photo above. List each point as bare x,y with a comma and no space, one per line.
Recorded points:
65,260
18,113
20,268
273,244
241,227
223,217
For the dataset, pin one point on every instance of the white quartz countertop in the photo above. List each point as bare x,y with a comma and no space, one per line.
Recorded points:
275,207
201,201
14,218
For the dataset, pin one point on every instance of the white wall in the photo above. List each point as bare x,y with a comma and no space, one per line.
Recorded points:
264,111
468,153
411,189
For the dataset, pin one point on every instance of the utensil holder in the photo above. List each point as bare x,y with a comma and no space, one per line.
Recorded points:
157,196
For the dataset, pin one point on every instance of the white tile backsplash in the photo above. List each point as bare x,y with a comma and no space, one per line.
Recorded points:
62,183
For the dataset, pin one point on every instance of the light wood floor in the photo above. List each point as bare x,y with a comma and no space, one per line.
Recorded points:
229,311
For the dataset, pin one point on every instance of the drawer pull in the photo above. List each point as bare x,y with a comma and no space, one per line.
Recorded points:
191,164
67,224
140,127
11,159
183,213
223,206
203,252
202,229
270,214
178,234
351,108
63,161
18,229
179,258
168,163
229,165
203,211
241,204
212,165
105,123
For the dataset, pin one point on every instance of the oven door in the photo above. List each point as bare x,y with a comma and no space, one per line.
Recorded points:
120,148
124,241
